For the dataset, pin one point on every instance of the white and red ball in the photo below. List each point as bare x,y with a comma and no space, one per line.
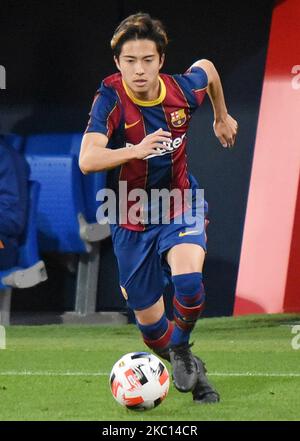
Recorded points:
139,381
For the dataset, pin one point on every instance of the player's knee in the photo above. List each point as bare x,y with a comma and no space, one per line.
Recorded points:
189,300
153,330
152,314
189,286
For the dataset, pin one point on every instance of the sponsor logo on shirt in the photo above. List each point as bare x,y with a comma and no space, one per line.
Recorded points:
128,126
174,144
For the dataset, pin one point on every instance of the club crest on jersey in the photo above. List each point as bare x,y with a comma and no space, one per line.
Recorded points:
178,118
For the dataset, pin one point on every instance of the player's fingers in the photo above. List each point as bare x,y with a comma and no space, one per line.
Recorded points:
162,143
166,146
223,141
160,146
161,132
161,139
231,142
233,123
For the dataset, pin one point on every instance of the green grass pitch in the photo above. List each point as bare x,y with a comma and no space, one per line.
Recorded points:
61,372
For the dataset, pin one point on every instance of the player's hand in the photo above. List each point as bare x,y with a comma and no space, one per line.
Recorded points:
226,130
152,143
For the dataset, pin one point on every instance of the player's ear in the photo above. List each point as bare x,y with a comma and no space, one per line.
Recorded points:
117,62
162,60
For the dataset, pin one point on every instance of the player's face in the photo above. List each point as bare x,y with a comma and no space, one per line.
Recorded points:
139,63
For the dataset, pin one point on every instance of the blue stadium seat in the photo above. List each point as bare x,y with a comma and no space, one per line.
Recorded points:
52,143
59,144
29,250
30,270
60,203
67,208
91,183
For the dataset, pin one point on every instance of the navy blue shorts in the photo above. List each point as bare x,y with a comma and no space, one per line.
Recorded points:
143,270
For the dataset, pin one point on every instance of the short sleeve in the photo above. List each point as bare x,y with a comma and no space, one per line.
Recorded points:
194,84
103,113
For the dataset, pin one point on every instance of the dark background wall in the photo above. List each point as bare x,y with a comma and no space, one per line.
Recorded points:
55,55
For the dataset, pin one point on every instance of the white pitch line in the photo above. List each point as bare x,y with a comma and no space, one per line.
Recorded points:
51,374
253,374
96,374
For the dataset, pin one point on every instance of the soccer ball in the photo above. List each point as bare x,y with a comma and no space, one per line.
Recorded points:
139,381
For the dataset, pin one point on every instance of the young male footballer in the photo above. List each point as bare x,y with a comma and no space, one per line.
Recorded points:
137,131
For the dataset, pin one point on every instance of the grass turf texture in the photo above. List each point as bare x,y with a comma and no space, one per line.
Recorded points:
61,372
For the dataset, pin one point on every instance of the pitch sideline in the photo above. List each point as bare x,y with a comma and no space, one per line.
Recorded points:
96,374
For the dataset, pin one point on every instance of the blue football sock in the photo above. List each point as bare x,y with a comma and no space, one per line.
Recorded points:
188,304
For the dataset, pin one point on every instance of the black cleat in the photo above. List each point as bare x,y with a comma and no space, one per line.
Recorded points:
163,353
203,392
184,366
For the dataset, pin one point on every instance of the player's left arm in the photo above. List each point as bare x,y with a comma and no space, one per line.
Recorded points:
225,127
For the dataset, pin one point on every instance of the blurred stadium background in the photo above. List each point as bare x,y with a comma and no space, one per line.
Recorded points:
55,58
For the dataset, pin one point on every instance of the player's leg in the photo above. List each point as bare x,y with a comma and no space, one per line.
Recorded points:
142,285
186,263
155,327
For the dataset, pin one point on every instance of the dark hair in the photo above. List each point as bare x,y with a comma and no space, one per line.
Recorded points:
139,26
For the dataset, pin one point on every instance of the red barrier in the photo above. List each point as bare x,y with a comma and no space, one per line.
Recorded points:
269,271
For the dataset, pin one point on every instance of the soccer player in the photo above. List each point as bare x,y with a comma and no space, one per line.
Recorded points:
137,131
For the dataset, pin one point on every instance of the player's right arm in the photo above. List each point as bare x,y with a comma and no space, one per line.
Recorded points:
105,119
95,157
